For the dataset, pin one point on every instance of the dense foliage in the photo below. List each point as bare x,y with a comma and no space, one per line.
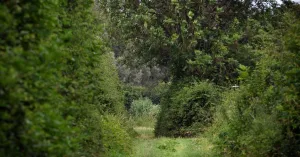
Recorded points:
227,70
59,89
261,118
191,38
188,110
197,41
31,124
155,93
144,112
248,50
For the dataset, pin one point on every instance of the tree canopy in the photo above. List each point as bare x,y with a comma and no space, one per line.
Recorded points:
77,75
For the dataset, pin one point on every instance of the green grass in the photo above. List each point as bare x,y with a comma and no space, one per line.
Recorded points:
148,146
144,132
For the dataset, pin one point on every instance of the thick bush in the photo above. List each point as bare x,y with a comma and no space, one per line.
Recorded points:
245,125
31,122
141,107
91,83
57,80
116,140
187,109
262,117
144,112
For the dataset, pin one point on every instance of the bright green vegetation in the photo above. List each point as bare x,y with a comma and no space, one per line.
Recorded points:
143,112
167,147
121,78
148,146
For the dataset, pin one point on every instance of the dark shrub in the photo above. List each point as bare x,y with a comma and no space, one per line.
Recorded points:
187,108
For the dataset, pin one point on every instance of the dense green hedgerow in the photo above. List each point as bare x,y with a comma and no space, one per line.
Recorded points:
57,81
262,117
187,109
30,63
245,125
116,140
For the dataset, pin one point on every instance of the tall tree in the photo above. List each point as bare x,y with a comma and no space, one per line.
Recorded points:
201,39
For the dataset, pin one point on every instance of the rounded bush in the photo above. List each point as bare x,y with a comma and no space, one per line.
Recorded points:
187,109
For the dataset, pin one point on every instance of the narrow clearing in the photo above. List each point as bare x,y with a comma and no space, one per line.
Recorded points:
148,146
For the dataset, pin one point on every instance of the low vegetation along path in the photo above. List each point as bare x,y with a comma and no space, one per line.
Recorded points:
146,145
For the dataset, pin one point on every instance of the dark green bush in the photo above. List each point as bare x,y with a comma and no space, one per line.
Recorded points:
57,81
187,109
91,83
262,117
157,92
132,93
245,125
31,123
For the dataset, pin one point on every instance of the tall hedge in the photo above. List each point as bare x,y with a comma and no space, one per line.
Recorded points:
31,124
59,90
262,117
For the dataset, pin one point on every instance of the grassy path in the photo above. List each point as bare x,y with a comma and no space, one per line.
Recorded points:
148,146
